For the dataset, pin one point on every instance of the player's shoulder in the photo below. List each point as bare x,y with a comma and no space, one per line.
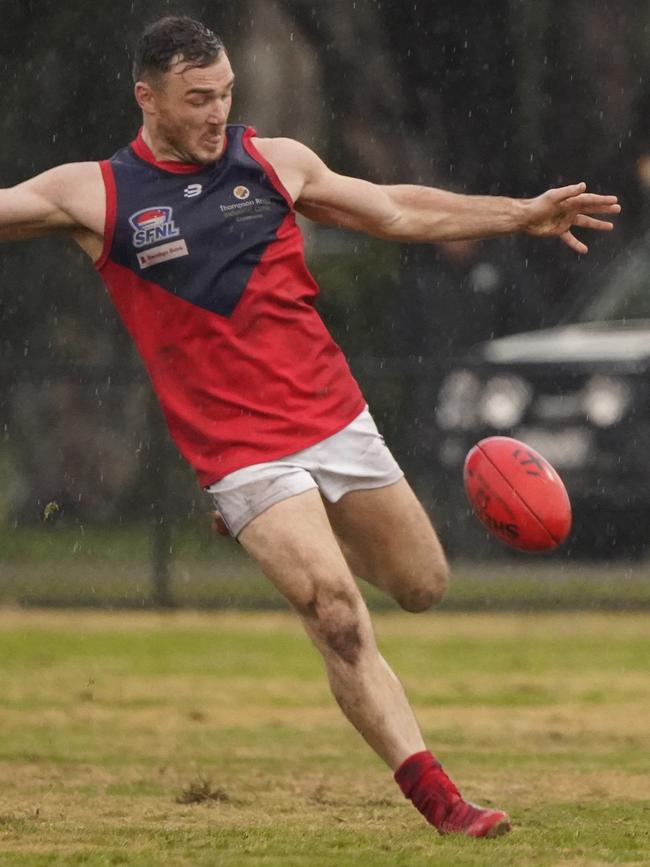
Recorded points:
286,150
81,171
66,175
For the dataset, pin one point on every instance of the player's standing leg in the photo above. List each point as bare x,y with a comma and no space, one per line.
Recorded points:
294,544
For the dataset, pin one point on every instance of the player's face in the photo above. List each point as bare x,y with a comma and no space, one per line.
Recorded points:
192,107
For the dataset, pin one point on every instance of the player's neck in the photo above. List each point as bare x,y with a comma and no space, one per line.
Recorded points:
160,150
145,147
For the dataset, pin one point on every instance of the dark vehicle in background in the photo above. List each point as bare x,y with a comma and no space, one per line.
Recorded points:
579,393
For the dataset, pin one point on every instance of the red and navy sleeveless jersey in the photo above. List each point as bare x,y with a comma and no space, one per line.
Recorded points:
205,265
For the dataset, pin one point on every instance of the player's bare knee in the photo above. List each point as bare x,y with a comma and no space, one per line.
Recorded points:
333,618
426,594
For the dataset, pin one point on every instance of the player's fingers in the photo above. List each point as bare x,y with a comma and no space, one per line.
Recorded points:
571,241
559,194
595,204
586,222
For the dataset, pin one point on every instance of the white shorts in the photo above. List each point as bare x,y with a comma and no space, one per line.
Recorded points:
356,458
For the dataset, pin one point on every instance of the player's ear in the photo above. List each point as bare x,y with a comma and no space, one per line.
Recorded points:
145,96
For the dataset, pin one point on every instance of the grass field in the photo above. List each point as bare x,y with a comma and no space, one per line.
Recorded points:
211,739
84,566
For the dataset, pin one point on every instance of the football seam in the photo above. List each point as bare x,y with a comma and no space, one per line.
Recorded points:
519,497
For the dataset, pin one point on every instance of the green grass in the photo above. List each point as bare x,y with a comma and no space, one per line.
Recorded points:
63,565
108,720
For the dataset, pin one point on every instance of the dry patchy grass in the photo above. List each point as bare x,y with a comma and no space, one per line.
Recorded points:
201,739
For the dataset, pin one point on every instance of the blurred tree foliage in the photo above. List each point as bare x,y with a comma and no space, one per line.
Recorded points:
506,98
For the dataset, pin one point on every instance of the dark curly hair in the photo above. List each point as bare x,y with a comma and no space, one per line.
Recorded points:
174,37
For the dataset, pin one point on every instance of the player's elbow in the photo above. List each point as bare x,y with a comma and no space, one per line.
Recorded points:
392,227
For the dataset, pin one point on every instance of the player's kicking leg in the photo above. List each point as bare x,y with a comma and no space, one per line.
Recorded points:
389,541
294,544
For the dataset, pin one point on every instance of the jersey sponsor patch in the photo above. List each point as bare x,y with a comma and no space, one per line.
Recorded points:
152,225
162,253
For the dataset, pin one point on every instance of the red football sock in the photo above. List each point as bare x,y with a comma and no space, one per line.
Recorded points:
423,781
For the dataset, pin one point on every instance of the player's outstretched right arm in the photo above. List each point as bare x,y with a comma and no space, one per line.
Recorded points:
63,199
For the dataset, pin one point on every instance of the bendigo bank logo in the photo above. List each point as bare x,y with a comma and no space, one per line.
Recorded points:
152,225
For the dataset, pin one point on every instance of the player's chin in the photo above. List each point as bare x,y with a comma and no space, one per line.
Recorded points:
208,150
204,156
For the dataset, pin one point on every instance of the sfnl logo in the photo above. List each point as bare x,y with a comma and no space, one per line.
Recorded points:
152,225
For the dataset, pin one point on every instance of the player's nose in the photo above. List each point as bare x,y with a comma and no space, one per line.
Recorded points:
218,114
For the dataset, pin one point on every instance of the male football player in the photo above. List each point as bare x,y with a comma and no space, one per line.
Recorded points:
192,228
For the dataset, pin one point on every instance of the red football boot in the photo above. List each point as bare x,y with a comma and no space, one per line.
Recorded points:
423,781
466,818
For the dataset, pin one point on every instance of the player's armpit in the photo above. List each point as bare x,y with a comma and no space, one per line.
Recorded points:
91,244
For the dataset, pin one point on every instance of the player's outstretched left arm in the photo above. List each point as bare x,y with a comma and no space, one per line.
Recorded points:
429,214
406,212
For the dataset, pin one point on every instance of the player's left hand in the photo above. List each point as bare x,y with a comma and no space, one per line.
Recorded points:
556,211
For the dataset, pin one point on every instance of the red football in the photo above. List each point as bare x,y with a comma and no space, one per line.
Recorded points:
517,494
